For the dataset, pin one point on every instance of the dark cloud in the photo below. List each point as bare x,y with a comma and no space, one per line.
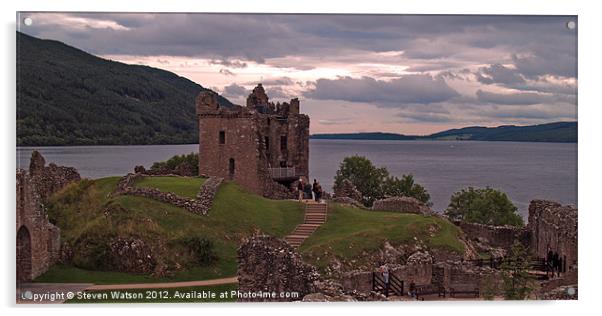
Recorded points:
535,44
226,72
422,89
229,63
521,98
498,73
235,91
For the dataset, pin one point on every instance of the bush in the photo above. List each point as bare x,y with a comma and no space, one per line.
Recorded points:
407,187
484,206
202,250
172,163
375,183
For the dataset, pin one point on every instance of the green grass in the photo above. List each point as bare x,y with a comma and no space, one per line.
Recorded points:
349,232
86,213
182,186
222,294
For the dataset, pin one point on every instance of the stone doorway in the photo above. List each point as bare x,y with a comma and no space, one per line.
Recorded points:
231,168
23,255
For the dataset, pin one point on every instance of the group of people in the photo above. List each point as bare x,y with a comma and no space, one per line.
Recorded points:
308,191
554,262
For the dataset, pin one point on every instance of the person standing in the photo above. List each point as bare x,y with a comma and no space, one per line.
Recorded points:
386,279
300,189
556,261
314,189
319,193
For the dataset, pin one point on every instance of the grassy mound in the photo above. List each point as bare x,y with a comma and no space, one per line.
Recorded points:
185,187
89,218
351,232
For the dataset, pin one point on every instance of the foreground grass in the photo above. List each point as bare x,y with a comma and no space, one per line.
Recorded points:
185,187
349,232
89,218
222,293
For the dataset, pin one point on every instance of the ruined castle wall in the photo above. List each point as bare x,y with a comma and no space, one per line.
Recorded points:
268,264
554,226
241,139
38,241
495,236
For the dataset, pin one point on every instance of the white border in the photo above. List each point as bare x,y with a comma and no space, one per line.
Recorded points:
589,142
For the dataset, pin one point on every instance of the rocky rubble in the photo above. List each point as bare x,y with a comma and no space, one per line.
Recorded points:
346,190
269,264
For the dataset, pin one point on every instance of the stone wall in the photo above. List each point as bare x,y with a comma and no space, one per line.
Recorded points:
201,205
270,265
38,241
402,204
495,236
554,227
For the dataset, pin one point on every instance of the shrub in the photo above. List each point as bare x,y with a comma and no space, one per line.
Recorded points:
517,284
202,250
406,186
192,159
485,206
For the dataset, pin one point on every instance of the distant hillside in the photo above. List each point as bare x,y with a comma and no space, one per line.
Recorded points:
364,136
561,132
66,96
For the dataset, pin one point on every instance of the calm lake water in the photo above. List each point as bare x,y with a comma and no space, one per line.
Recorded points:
525,171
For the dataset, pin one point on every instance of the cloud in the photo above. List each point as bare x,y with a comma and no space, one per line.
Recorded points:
422,89
226,72
521,98
498,73
229,63
235,91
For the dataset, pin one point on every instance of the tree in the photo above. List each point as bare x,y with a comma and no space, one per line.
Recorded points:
485,206
367,178
406,186
375,183
517,283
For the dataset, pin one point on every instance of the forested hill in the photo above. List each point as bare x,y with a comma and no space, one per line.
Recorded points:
561,132
66,96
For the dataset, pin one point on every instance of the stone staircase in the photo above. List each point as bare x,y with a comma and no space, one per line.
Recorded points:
315,215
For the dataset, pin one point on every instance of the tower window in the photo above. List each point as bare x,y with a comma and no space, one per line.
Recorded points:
222,137
283,143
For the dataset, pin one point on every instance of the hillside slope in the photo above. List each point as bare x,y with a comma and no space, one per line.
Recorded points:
66,96
560,132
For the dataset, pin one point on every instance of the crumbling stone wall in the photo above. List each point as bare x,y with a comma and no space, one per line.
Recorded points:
201,205
487,236
243,143
554,227
38,241
346,190
402,204
270,265
49,179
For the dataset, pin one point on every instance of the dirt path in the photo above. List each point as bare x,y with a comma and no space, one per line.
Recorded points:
166,285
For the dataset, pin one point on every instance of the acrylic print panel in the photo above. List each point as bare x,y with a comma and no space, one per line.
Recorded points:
290,157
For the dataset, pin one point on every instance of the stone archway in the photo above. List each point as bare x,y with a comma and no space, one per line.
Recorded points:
23,255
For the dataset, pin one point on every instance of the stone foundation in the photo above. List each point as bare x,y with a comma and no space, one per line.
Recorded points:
402,204
200,205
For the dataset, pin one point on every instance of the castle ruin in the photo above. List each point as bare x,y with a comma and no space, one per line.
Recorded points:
263,146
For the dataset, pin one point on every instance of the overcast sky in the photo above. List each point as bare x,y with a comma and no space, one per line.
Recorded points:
353,73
